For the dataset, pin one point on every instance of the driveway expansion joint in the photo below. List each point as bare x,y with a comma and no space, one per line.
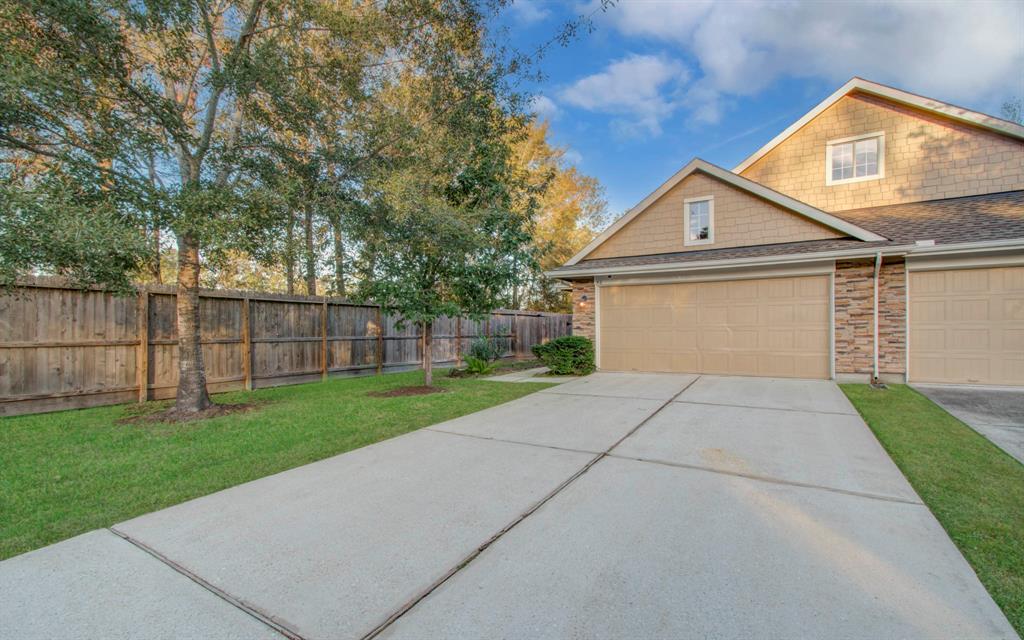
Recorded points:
506,441
282,628
769,479
748,406
473,555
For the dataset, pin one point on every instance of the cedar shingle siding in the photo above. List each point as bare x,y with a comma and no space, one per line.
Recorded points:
927,157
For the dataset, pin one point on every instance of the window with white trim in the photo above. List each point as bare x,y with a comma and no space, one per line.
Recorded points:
699,220
855,159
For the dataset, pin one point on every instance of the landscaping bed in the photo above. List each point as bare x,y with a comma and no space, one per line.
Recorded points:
975,489
62,474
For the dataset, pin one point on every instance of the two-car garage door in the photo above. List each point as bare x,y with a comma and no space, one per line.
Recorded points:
967,326
764,327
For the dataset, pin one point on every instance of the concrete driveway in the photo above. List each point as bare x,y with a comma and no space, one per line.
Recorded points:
613,506
995,412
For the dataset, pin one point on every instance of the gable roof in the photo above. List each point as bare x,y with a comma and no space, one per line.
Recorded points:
860,85
738,181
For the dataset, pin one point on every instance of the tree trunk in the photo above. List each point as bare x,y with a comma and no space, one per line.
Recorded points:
192,395
289,256
309,254
428,360
339,259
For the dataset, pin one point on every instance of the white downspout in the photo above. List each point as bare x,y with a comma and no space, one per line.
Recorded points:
878,268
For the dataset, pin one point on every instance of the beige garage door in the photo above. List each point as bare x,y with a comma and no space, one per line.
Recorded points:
967,326
765,327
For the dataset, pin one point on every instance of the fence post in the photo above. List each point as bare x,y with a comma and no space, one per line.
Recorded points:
514,342
246,344
458,341
323,342
142,359
380,343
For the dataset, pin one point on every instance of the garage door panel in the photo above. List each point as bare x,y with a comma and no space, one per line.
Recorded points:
1013,340
684,316
1013,309
970,339
780,314
808,340
744,339
743,290
966,326
928,310
770,327
781,339
971,309
742,314
777,289
662,317
968,281
713,315
813,314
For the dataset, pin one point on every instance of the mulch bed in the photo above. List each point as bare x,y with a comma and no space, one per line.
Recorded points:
406,391
173,415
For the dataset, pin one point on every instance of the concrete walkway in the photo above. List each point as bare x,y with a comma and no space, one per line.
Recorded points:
612,506
995,412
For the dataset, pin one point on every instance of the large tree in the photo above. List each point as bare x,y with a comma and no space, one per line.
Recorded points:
154,114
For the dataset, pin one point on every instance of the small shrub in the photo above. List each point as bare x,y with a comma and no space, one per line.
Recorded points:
478,366
568,355
484,349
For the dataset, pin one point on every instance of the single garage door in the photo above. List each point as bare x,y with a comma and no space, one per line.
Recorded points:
967,326
763,327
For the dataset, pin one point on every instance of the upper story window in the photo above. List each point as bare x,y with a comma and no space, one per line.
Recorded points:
699,220
855,159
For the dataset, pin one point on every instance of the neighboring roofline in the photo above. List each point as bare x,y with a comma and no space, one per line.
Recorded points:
945,109
739,182
794,258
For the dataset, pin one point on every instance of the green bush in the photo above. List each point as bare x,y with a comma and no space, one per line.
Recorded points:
484,349
478,366
568,355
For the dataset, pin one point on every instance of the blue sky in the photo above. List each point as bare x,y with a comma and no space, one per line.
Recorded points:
658,83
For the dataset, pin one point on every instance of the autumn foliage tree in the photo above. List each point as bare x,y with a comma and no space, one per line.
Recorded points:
568,210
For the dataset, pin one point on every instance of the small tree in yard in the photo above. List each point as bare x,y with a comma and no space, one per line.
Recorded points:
440,235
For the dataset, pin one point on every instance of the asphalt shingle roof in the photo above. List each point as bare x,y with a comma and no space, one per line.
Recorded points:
994,216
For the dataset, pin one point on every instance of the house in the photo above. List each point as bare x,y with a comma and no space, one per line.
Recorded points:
880,236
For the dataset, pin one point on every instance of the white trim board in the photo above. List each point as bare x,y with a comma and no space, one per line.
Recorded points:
739,182
951,111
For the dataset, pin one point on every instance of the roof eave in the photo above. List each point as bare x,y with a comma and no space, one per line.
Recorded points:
915,249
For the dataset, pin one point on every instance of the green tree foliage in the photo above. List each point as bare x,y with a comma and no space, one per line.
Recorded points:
263,131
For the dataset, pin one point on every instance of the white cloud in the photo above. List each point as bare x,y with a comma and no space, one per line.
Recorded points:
573,157
544,108
947,50
642,90
529,11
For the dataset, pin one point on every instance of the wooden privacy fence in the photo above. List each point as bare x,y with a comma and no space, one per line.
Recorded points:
64,348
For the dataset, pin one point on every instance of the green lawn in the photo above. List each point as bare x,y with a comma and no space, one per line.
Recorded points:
65,473
973,488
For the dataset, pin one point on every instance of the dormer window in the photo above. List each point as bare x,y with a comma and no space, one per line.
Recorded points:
855,159
699,220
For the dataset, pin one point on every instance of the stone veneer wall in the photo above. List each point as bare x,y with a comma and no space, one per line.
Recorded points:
854,321
583,310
